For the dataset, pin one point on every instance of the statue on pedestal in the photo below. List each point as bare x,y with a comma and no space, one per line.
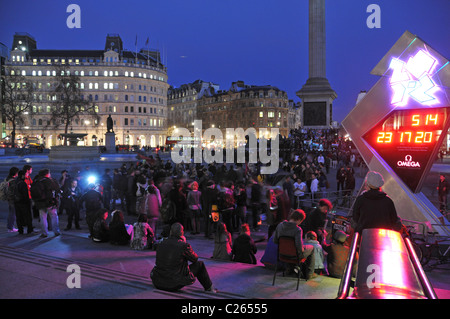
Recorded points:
109,124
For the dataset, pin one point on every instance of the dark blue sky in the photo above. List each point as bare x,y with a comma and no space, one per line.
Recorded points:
261,42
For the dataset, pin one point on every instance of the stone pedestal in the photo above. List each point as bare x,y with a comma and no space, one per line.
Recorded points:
74,153
110,142
317,95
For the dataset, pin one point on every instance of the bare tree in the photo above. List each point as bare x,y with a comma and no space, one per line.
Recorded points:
69,104
17,99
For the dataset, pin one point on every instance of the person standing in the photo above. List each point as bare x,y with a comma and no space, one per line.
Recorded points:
340,179
288,187
44,192
195,208
299,193
11,179
22,204
71,196
209,198
256,193
107,183
442,189
314,189
28,169
93,202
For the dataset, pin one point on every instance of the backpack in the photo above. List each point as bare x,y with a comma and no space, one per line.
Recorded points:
12,194
4,190
38,191
167,210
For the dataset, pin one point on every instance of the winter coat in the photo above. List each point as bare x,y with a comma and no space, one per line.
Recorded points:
171,270
374,209
244,249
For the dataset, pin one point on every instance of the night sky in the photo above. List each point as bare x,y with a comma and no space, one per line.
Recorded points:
261,42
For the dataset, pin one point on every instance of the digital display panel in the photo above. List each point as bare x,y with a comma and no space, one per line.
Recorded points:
408,140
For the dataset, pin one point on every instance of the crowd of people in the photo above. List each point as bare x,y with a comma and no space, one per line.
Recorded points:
161,194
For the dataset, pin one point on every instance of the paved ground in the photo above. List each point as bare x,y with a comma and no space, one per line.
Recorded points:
36,268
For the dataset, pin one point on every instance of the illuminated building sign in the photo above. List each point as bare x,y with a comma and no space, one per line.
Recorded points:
406,140
413,79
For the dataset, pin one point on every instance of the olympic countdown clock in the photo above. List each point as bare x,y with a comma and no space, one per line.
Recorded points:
407,140
400,124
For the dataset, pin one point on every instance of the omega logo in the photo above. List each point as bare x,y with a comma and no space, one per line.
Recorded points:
408,162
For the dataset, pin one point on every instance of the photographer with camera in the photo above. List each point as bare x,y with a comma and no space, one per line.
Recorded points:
45,192
71,196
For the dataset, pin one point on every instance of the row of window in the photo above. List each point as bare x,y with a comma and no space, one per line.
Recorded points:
108,109
143,122
93,73
95,86
77,61
83,122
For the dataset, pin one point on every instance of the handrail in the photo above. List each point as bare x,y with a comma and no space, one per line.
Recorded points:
428,289
344,286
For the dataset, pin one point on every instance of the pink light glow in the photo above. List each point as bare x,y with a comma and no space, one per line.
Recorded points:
393,274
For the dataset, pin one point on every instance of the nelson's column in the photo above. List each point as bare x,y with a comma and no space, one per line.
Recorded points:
317,95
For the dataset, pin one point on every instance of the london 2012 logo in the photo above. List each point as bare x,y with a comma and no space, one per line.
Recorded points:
414,79
408,162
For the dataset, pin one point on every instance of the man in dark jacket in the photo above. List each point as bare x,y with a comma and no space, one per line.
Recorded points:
93,202
172,271
22,203
72,194
47,202
316,219
373,208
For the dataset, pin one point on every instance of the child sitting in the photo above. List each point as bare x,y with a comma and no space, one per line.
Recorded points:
311,239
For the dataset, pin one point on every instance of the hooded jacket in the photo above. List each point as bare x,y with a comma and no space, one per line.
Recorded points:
374,209
289,229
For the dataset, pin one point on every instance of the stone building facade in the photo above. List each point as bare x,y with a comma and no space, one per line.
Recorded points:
245,106
130,86
182,102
